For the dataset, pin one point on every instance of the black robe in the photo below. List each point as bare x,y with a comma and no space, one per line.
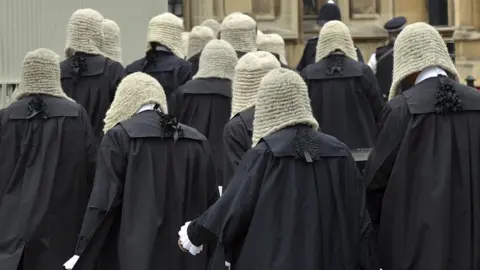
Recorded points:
47,164
423,180
345,98
91,80
147,185
205,105
237,140
169,70
384,71
195,61
310,52
296,201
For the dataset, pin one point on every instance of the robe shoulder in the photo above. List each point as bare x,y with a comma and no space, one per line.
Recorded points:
95,65
135,66
234,122
422,97
213,86
287,142
164,62
56,107
147,124
321,69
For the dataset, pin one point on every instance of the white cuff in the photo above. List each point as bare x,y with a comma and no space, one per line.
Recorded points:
186,244
71,263
227,264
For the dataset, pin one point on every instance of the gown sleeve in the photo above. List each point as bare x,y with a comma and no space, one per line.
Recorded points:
229,218
185,73
234,150
303,61
118,73
213,192
1,120
359,55
393,123
107,190
175,104
90,147
367,255
373,92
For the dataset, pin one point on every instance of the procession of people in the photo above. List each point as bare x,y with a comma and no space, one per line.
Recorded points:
210,152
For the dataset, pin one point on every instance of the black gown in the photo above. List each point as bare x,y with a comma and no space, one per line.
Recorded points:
346,99
237,140
146,186
205,105
195,61
169,70
310,51
47,163
423,181
296,201
91,80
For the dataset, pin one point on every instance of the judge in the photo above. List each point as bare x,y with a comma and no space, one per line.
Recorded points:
88,76
274,44
204,103
112,47
164,57
240,30
328,12
296,201
344,93
197,39
423,189
381,61
212,24
185,36
47,165
152,174
237,135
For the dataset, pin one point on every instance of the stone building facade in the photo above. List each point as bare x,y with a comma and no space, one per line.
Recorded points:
295,21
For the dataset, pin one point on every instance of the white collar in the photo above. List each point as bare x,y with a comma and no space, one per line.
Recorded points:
430,73
148,107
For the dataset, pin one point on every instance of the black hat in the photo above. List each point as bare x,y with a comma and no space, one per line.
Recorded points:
329,12
396,24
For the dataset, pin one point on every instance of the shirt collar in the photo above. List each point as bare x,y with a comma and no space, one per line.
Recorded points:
430,73
148,107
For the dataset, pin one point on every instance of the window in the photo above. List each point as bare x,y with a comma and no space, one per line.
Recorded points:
311,7
176,7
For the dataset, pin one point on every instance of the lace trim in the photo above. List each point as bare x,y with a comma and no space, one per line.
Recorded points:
71,263
305,145
37,108
335,66
447,99
78,66
185,242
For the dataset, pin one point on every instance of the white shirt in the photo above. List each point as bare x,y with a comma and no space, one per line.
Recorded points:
148,107
429,73
372,63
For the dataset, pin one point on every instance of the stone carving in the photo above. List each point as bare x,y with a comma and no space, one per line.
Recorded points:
264,8
364,7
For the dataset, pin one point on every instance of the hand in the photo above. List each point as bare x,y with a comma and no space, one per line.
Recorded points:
181,246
